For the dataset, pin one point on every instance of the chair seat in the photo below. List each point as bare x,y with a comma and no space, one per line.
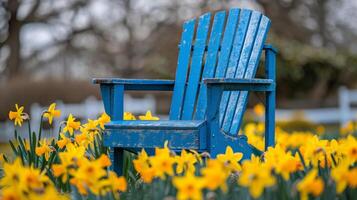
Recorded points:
181,134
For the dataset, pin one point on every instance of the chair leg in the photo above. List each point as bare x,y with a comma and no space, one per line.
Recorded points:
117,158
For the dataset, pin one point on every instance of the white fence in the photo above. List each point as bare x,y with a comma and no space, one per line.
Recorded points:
341,114
91,108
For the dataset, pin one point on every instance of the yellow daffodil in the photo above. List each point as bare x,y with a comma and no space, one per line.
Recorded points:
315,152
256,176
129,116
71,125
117,184
11,193
83,139
22,182
63,141
148,116
103,119
185,162
88,174
51,113
340,176
162,162
69,158
104,161
215,175
44,149
91,127
231,159
17,116
11,173
188,186
283,162
259,110
143,167
347,129
310,184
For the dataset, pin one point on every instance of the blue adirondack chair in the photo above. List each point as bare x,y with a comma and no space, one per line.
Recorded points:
214,75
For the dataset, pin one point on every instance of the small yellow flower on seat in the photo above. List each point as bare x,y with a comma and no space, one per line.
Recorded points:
148,116
129,116
52,113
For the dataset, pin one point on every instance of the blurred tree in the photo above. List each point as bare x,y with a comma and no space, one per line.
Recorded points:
37,35
316,40
86,38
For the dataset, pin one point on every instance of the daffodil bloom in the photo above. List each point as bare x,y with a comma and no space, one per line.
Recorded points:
142,161
348,148
185,162
162,162
215,175
11,193
310,184
256,176
17,116
91,127
129,116
148,116
44,149
71,125
314,152
88,174
23,182
143,167
115,183
63,141
348,128
104,161
283,162
103,119
69,159
231,159
259,110
11,173
83,139
188,186
51,113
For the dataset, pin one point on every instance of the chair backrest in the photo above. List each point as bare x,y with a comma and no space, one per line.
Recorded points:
231,50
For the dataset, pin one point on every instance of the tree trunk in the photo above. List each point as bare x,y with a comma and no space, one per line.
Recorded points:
13,63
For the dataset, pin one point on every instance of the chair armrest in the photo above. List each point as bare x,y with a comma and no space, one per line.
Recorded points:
234,84
138,84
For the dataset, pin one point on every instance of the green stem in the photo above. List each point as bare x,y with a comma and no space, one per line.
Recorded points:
30,143
40,130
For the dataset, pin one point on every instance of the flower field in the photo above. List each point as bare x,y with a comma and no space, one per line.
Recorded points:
75,165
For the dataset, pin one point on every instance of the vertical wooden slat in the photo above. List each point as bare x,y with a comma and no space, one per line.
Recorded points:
211,60
242,66
196,66
239,39
250,72
182,68
226,45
